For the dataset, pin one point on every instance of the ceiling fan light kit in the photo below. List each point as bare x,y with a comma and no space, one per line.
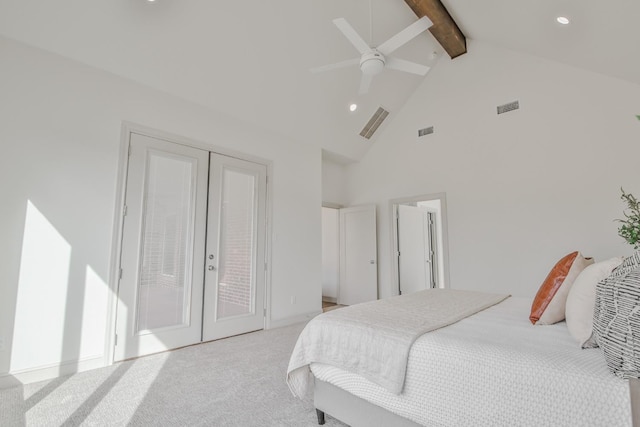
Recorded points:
372,62
375,59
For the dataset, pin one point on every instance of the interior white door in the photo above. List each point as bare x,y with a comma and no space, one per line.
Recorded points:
358,255
235,271
160,291
414,249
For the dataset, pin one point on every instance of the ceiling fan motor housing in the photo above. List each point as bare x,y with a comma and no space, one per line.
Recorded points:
372,62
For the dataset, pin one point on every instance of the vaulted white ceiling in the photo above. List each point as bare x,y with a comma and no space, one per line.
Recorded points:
251,59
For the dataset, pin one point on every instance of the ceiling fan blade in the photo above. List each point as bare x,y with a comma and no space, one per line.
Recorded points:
341,64
407,66
365,82
405,35
351,35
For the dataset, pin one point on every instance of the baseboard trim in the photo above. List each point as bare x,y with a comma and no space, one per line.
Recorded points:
28,376
278,323
330,299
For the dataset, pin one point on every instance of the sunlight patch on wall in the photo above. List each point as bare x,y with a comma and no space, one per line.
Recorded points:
42,294
94,315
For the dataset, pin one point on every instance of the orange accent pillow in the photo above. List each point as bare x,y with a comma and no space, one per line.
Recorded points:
549,304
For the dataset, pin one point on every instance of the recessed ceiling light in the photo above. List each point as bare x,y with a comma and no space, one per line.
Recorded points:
563,20
353,107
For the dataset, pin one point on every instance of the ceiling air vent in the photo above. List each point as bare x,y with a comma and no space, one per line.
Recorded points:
374,123
425,131
508,107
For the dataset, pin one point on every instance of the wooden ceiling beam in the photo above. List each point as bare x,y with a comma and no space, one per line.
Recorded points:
444,28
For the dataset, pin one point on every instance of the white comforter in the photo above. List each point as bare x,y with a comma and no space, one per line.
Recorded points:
497,369
373,339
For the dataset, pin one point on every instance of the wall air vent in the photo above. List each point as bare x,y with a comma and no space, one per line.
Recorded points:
425,131
508,107
374,123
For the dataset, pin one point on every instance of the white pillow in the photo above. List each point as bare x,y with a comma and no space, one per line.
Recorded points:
582,298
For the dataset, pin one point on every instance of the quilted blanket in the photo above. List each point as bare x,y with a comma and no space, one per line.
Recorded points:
373,339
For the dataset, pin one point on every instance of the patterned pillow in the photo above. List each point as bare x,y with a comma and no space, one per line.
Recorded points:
629,263
616,318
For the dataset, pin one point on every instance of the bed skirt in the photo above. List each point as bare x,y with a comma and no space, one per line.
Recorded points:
355,411
352,410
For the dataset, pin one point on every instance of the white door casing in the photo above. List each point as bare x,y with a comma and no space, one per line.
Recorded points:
358,255
436,205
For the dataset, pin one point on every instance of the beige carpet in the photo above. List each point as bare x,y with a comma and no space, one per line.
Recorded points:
238,381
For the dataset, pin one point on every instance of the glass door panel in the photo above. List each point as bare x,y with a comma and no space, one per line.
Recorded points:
237,244
164,288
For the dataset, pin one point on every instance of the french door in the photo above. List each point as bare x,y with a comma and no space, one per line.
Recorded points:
193,252
235,274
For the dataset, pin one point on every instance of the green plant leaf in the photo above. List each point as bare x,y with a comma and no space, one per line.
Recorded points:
630,226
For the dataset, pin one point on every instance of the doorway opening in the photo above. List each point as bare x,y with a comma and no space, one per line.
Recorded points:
330,255
420,242
349,255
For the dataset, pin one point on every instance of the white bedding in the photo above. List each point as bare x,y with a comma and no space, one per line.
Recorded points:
496,369
374,339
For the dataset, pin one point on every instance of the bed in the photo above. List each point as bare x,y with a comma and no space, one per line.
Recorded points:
489,367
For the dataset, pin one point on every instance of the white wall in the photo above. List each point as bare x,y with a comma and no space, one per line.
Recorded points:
334,188
61,126
330,253
523,188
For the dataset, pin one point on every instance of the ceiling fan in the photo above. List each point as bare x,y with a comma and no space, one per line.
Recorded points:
374,59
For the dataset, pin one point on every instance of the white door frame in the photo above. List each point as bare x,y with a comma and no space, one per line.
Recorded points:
118,219
393,203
